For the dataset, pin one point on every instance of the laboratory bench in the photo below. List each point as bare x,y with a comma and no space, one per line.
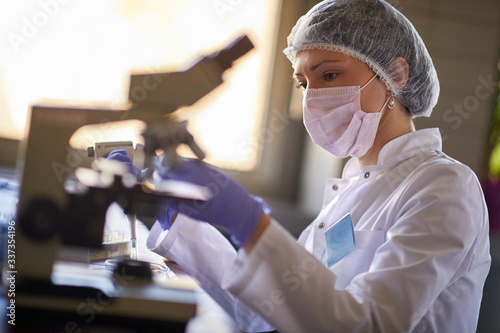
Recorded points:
209,316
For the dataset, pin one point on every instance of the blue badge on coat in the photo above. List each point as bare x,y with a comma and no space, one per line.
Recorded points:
339,239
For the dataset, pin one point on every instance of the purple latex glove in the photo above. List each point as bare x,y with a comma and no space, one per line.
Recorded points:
165,217
231,206
121,155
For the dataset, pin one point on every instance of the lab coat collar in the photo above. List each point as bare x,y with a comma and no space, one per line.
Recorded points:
400,149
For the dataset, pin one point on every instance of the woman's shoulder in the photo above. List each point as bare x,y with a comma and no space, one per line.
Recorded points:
440,163
440,173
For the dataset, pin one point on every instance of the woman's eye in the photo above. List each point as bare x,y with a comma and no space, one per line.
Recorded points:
302,85
330,76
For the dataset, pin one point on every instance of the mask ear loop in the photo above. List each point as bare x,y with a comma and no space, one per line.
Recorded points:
367,83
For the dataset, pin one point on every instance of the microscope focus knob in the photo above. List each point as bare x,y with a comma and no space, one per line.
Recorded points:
39,219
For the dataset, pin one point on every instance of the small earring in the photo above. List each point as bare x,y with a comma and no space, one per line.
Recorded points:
392,103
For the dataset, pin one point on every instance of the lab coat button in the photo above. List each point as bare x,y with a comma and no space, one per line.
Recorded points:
335,187
321,225
367,175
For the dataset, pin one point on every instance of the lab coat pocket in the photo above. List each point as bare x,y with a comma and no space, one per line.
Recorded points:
358,261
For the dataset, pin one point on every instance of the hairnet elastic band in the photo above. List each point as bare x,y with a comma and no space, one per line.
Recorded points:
347,51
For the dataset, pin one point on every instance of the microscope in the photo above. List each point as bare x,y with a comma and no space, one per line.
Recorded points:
63,206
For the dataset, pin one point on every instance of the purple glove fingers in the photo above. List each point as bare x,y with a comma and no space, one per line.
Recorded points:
121,156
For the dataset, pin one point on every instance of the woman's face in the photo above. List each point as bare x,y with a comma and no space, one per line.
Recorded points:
325,69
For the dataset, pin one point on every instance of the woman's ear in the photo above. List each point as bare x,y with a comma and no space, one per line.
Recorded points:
400,70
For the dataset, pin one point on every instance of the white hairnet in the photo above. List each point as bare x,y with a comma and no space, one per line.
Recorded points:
375,33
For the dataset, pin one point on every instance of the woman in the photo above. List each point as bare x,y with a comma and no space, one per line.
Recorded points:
401,243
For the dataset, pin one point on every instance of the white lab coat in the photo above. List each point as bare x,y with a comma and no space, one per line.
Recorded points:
420,259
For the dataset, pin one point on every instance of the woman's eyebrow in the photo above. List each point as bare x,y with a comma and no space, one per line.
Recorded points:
314,67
